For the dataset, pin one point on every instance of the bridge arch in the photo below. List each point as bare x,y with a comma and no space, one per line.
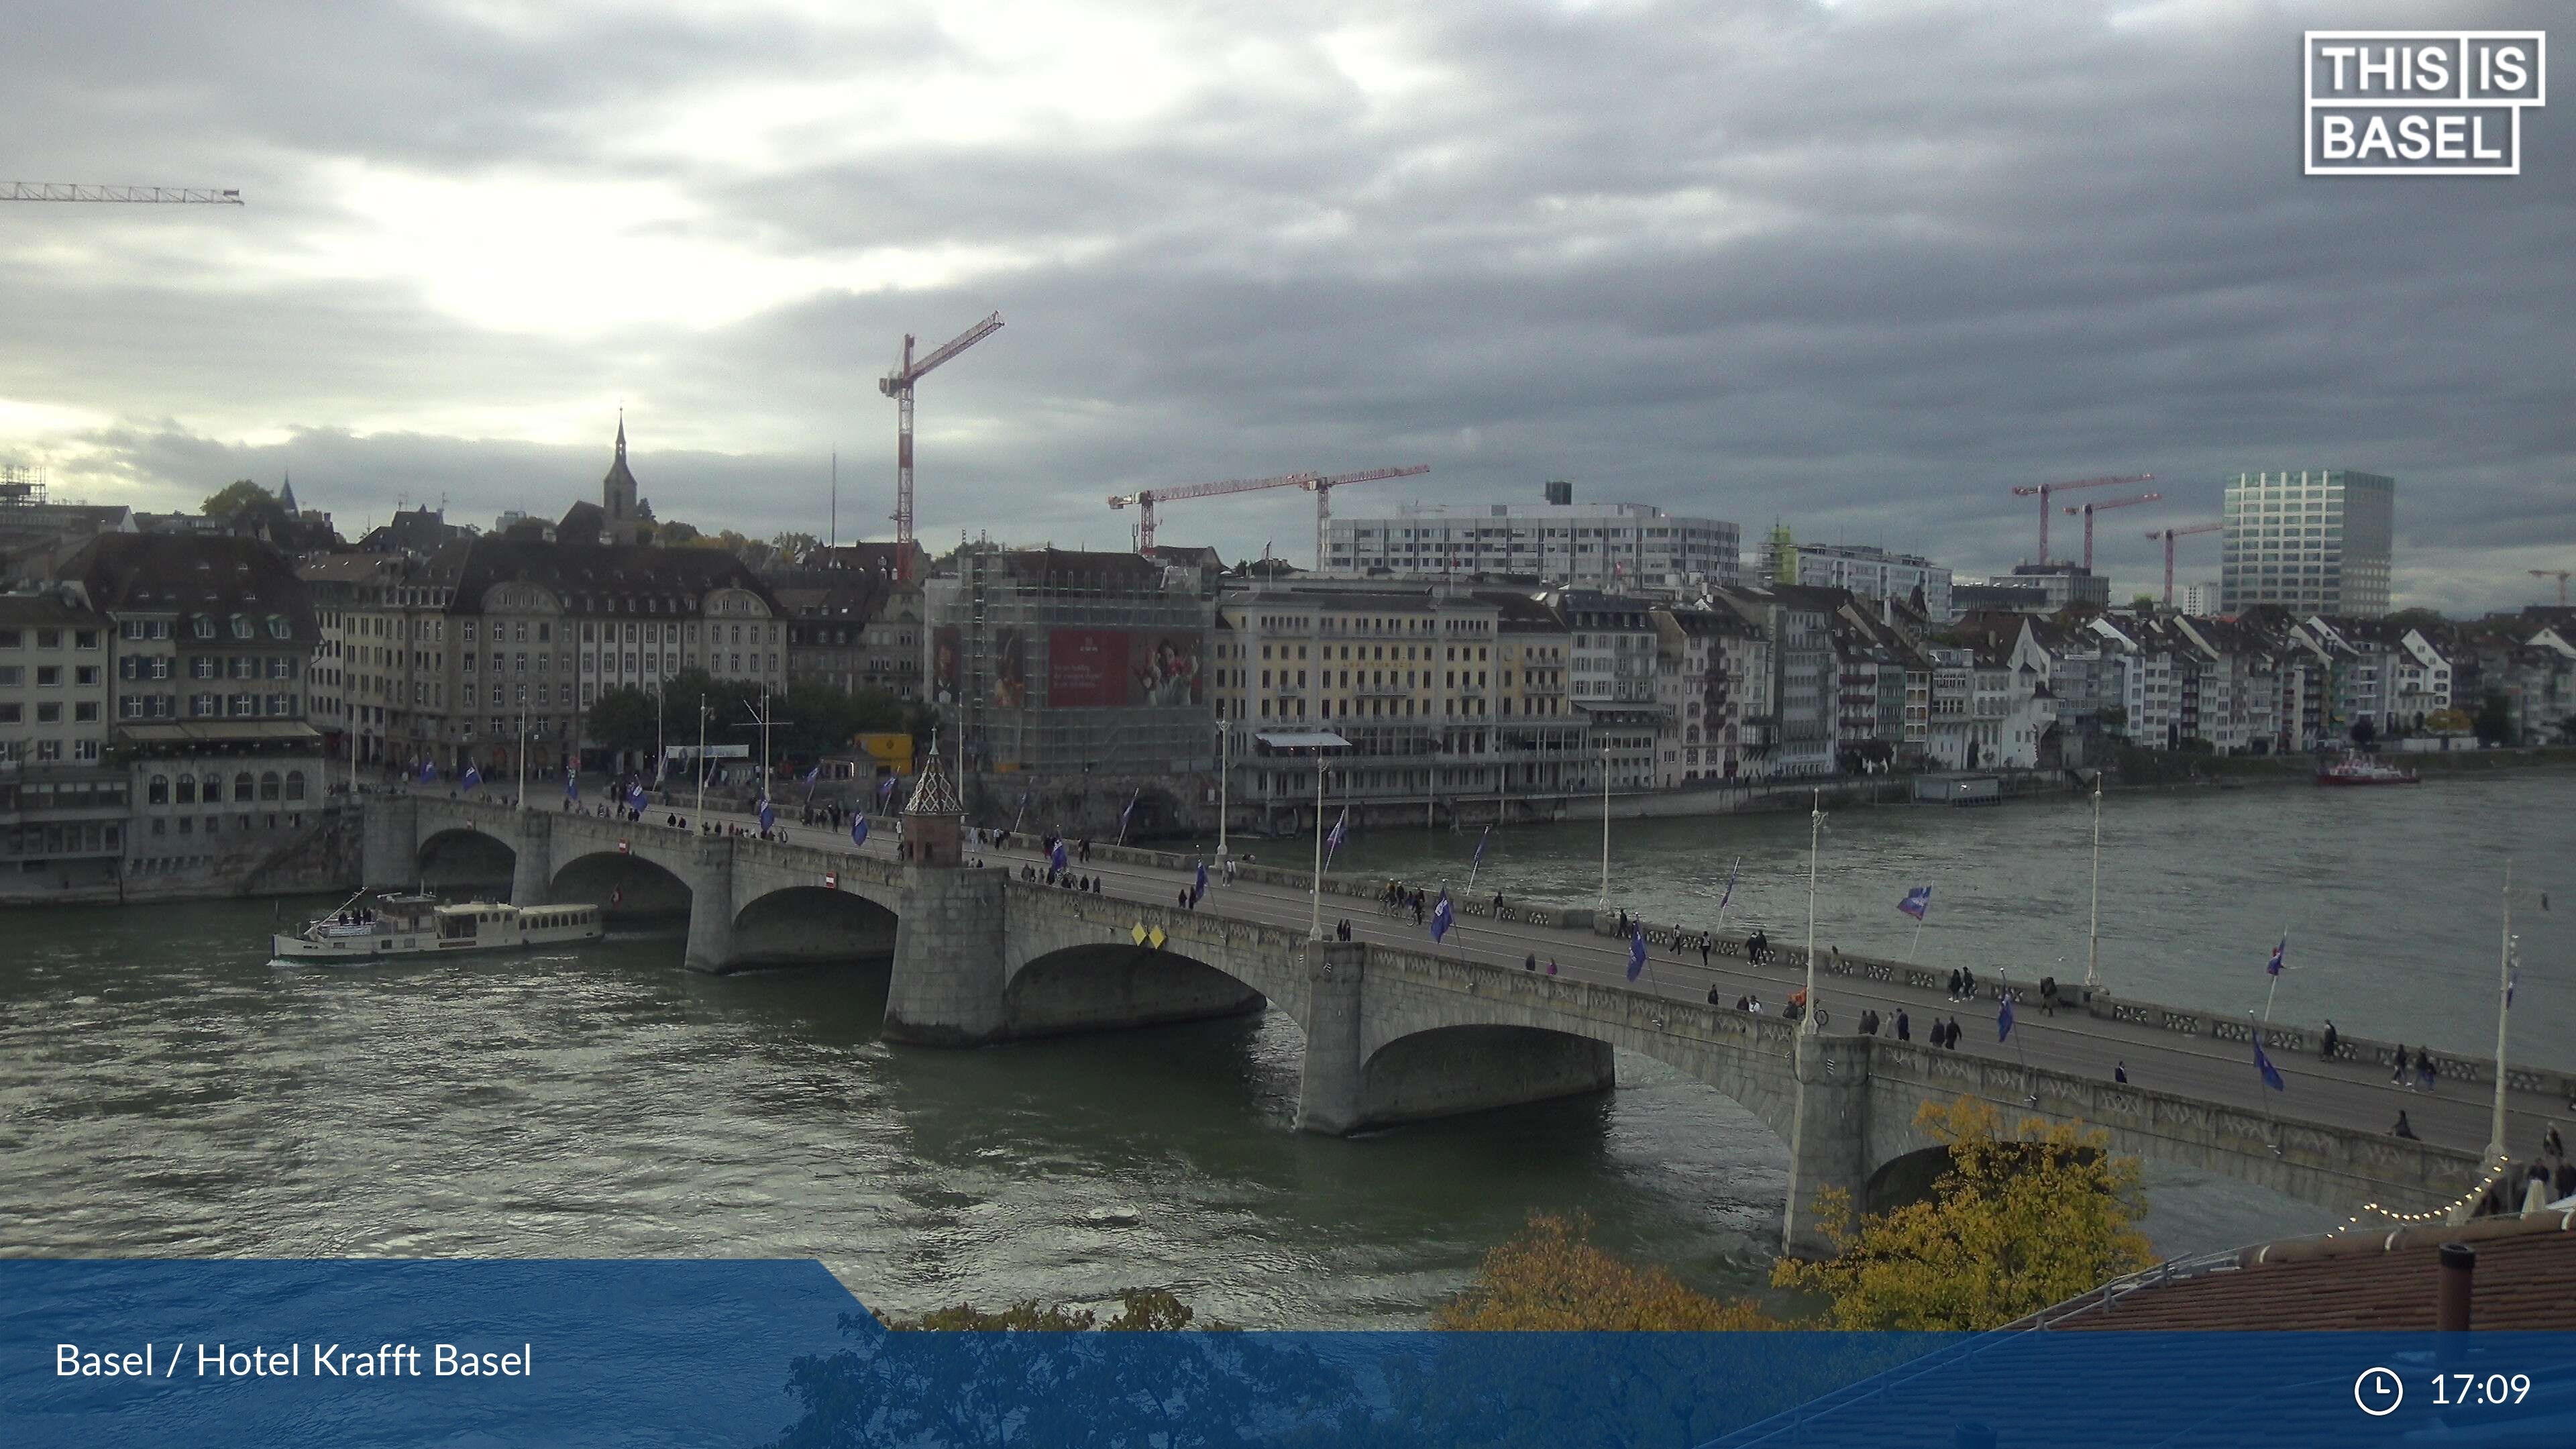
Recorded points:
619,884
1448,1070
461,855
811,923
1100,986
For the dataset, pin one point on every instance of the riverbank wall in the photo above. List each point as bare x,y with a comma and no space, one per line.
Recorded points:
318,856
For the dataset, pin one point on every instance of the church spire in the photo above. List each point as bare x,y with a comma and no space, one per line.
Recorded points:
286,494
621,432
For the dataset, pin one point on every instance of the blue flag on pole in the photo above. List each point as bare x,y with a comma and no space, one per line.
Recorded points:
473,777
1442,916
428,773
858,830
1201,883
572,787
2263,1064
1480,846
1730,885
1917,902
813,774
1060,860
2004,1019
635,794
768,817
1636,951
2273,967
1340,832
1131,806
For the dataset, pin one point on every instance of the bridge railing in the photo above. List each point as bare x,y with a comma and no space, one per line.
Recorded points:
2291,1037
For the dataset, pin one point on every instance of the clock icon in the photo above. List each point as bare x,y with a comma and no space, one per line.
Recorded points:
2378,1391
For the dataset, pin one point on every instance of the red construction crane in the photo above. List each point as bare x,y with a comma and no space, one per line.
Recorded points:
2087,509
2560,575
1145,499
2044,490
2169,535
897,384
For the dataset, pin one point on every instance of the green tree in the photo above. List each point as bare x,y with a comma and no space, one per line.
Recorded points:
676,534
1552,1279
2364,733
2429,621
623,719
792,545
233,497
2015,1224
2143,603
2494,722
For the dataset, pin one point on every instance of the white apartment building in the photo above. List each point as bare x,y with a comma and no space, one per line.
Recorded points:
1616,547
1861,569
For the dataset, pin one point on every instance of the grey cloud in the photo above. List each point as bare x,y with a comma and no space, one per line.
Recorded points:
1949,250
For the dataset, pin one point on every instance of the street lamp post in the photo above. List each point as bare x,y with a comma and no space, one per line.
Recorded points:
2504,1019
1316,929
1223,735
1605,825
2093,936
703,710
1815,837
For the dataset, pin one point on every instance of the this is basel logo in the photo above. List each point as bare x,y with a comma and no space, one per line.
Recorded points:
2420,102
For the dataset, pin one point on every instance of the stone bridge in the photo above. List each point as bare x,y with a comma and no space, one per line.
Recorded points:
1391,1035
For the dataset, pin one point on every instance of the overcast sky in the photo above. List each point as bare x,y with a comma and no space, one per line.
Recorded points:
1857,266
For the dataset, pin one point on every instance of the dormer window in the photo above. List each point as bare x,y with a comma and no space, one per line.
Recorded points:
205,627
241,626
277,627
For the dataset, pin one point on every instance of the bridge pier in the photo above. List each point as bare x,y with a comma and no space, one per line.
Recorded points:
1330,1080
949,959
1828,1138
532,873
389,849
711,906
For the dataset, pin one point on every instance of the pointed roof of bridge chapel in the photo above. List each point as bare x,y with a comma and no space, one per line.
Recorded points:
933,793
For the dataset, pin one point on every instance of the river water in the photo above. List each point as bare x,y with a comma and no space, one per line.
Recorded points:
164,1090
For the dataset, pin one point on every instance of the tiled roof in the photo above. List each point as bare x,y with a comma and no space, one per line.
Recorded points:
586,578
192,574
2525,1279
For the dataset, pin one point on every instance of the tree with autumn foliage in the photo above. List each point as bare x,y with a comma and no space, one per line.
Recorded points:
2013,1225
1552,1279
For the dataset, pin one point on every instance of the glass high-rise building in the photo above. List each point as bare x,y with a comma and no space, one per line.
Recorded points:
2312,542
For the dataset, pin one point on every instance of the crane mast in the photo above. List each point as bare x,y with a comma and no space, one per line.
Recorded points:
898,384
2560,575
1144,500
2088,509
2049,490
2169,535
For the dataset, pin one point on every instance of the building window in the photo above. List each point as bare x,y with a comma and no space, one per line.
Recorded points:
158,792
295,784
187,790
269,785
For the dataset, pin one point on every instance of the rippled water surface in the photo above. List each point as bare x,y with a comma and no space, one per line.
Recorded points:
165,1090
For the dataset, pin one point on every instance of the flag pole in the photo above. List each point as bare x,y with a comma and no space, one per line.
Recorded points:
1917,943
2093,933
2504,1019
1729,896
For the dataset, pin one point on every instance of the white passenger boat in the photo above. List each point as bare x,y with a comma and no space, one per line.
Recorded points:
395,925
